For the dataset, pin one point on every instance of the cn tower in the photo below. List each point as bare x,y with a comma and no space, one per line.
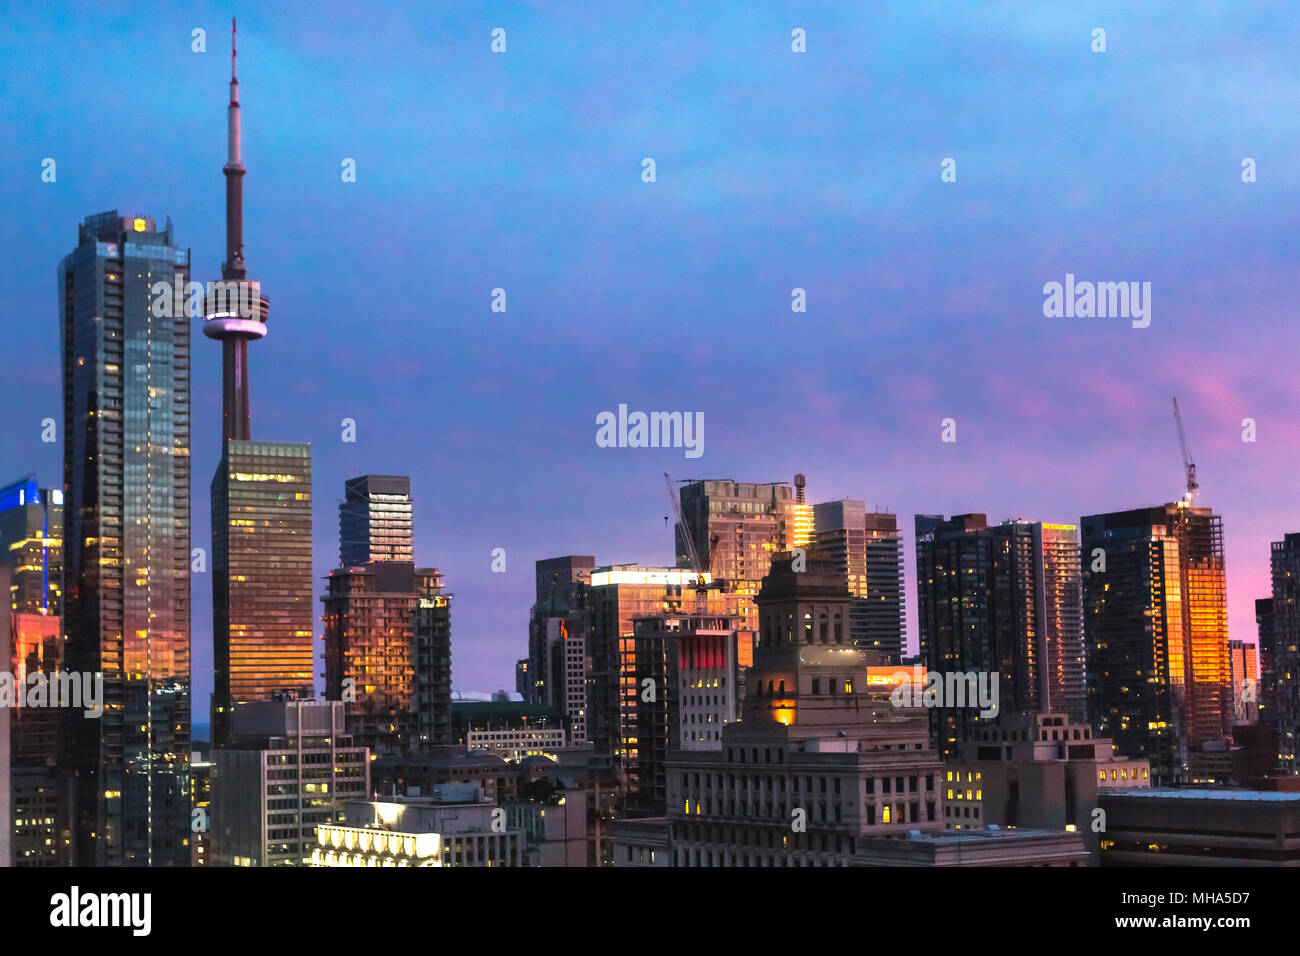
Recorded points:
226,320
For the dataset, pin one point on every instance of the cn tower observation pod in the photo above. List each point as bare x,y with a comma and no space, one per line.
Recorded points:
240,313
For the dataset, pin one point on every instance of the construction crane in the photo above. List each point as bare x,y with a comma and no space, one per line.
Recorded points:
692,555
1189,466
702,586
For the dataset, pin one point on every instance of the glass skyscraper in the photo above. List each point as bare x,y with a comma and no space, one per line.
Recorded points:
375,520
1156,623
31,543
262,608
126,556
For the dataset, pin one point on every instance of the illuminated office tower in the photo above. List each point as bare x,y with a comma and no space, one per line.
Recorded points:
31,543
736,528
371,658
375,520
262,607
262,602
868,550
126,549
1279,649
1156,624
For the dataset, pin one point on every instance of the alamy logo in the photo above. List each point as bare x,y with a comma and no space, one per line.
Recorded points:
59,689
653,430
1102,300
228,298
74,909
920,688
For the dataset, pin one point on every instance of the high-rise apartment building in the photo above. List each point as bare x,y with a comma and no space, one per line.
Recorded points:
559,665
1279,649
372,663
433,668
1060,608
1002,599
736,528
868,550
375,520
565,579
1156,621
126,546
558,671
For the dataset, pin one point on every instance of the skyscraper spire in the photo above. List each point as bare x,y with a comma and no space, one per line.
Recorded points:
233,268
238,313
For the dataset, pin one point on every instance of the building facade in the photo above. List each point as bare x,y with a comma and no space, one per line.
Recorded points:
1186,826
818,763
1002,599
375,520
126,546
736,528
1156,620
692,665
288,770
262,606
1278,618
371,657
618,595
1038,771
31,545
456,825
868,550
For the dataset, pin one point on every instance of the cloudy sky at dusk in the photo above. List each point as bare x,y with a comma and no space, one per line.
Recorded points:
775,170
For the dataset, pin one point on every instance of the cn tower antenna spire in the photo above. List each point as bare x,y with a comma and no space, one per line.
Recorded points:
238,322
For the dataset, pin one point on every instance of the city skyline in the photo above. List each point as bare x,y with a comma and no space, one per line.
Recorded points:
955,331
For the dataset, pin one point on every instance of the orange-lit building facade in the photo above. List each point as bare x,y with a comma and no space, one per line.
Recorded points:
372,660
262,595
736,528
1156,622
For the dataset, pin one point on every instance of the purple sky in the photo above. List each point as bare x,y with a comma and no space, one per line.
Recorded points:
775,170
